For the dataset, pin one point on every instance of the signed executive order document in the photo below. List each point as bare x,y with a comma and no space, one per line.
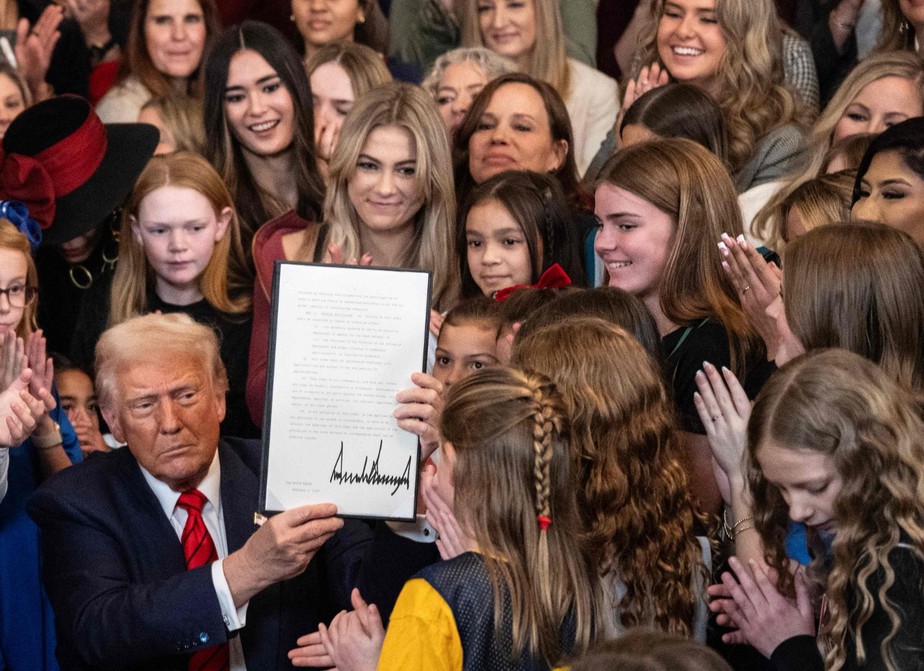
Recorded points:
343,341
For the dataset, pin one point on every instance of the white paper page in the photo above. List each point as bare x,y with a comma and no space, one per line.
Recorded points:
346,341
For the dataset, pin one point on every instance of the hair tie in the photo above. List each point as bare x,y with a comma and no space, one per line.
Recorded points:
553,278
544,522
18,215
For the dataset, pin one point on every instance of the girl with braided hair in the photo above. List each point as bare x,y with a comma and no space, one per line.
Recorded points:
523,596
632,488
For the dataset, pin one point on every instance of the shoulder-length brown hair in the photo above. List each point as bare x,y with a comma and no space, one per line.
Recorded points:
688,183
860,287
559,126
137,59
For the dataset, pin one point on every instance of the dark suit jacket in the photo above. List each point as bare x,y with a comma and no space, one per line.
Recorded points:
114,570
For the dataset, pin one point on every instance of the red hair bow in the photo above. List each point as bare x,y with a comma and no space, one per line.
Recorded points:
25,179
553,278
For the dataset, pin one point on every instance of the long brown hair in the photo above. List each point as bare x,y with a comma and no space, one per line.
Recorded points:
859,286
840,404
688,182
226,283
502,422
633,492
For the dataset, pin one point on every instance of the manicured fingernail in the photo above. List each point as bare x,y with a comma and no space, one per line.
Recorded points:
725,266
740,239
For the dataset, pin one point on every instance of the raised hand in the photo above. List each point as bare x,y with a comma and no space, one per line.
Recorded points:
354,639
419,412
19,411
335,257
451,540
649,77
34,48
93,18
12,358
724,409
42,368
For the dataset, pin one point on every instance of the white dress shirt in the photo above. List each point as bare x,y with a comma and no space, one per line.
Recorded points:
235,618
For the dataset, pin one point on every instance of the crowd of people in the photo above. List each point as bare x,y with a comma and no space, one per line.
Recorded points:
672,415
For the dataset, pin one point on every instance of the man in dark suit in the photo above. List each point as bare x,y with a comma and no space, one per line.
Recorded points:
135,580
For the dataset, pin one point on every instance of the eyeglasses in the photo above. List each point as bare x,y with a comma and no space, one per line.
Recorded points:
19,295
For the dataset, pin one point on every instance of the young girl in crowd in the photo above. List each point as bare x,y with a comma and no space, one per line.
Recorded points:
458,76
732,49
390,203
530,34
816,202
79,401
513,228
834,443
657,241
632,493
27,637
517,590
181,252
890,180
261,138
339,73
467,340
167,42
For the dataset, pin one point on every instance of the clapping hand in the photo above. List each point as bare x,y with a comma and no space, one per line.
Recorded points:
34,48
451,540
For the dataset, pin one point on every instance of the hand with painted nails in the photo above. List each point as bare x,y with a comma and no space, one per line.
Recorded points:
764,618
758,285
724,409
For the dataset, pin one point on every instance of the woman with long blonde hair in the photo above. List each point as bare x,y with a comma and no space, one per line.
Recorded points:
733,50
633,492
390,202
834,443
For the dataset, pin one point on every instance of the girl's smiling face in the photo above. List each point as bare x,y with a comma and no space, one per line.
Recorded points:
177,228
497,250
634,242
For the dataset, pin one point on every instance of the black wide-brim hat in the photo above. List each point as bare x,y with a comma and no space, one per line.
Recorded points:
69,168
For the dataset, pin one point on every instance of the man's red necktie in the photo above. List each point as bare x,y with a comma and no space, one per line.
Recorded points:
199,550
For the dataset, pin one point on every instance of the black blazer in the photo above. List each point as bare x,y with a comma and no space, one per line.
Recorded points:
114,570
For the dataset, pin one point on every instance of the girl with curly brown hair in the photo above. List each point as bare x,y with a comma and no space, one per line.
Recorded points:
634,494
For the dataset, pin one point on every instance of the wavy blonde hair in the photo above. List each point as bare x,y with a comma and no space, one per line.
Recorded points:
548,59
633,492
226,283
840,404
751,91
410,108
364,66
671,174
509,433
823,200
874,67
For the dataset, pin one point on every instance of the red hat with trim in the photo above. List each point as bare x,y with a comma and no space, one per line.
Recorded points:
69,168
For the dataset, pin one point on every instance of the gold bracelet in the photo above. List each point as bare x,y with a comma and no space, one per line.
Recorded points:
741,531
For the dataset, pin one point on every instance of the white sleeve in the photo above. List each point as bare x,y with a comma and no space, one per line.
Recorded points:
235,618
4,468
